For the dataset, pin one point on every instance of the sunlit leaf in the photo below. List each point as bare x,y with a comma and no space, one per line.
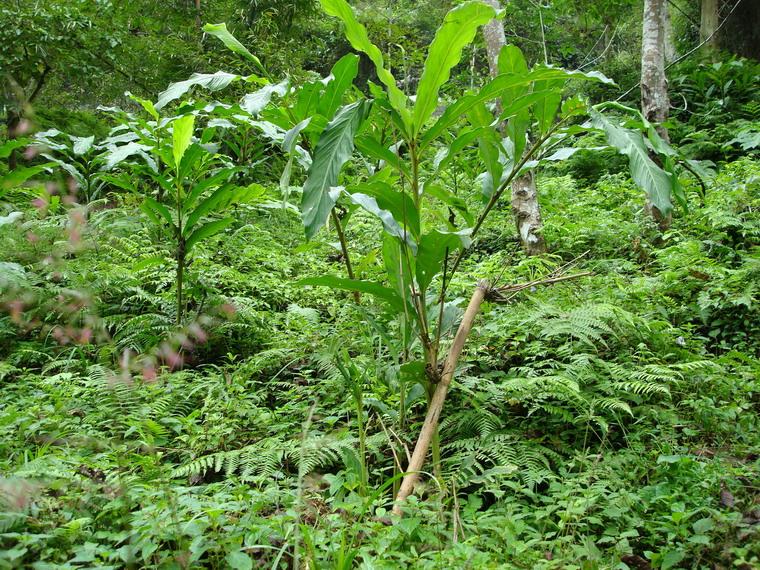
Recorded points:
334,148
375,289
458,30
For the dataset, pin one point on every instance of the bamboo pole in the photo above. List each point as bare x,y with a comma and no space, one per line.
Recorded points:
430,426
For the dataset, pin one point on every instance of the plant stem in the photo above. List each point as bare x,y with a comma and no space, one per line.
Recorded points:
344,249
180,279
496,195
359,399
430,426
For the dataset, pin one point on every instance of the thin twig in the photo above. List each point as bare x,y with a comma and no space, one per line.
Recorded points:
497,295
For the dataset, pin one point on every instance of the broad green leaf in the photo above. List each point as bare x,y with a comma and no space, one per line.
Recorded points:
307,97
231,42
546,108
291,137
238,560
20,175
10,145
390,225
182,134
12,275
671,558
566,152
70,170
458,29
153,208
117,154
211,81
646,174
145,104
395,267
703,526
340,79
122,181
432,251
218,199
464,138
488,147
676,190
495,88
217,179
206,231
193,156
289,146
254,103
11,218
371,147
335,146
451,200
399,204
512,61
82,144
370,287
151,261
356,34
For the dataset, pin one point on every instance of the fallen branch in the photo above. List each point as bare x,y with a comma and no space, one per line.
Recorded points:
483,291
497,294
435,407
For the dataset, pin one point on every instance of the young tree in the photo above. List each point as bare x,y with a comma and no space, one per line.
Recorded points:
654,85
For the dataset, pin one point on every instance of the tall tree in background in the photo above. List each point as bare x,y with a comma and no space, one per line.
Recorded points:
654,84
740,33
708,23
493,33
525,206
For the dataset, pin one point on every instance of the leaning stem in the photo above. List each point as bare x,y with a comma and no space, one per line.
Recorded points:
181,253
359,398
430,425
180,279
344,250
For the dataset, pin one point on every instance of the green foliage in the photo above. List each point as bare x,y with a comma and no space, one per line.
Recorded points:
606,422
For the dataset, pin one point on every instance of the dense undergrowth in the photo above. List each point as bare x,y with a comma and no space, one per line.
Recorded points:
595,422
610,421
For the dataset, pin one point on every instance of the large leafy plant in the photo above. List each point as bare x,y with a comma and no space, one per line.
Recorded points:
426,225
186,184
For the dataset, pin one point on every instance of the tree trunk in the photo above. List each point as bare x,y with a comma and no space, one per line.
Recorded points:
670,47
525,204
654,84
493,33
740,33
708,23
527,214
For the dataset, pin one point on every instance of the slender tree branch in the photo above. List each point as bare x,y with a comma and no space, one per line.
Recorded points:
483,291
430,426
40,83
498,193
